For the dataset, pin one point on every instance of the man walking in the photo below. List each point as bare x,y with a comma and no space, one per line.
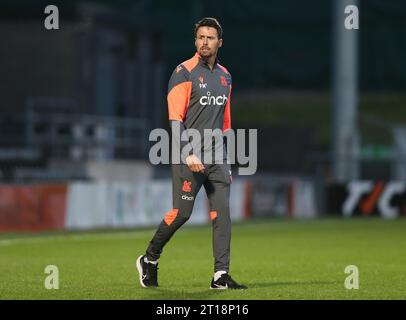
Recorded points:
199,93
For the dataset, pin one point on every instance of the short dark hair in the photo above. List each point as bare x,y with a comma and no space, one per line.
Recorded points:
210,22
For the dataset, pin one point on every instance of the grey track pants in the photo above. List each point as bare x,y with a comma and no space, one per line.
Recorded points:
216,180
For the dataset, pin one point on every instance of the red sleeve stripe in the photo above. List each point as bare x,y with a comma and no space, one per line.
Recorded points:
178,100
223,68
227,114
191,63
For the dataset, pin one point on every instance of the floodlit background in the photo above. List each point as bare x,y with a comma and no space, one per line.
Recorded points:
77,105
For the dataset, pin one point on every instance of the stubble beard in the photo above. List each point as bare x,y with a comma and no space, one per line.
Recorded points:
206,55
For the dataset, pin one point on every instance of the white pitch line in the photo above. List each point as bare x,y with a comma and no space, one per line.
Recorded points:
77,237
7,242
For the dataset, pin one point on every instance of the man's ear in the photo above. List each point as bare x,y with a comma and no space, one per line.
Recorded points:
220,42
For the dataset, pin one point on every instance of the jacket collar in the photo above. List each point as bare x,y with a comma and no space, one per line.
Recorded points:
203,63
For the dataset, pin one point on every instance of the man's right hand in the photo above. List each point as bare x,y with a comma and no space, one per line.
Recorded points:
194,163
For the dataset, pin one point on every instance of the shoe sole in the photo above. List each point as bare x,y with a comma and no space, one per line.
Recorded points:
227,288
139,268
211,288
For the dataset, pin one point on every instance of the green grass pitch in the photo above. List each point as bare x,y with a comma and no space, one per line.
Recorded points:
276,259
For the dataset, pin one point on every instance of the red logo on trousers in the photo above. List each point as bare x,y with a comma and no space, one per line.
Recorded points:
187,186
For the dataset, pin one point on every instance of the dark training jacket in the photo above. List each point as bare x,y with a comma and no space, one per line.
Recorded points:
199,98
